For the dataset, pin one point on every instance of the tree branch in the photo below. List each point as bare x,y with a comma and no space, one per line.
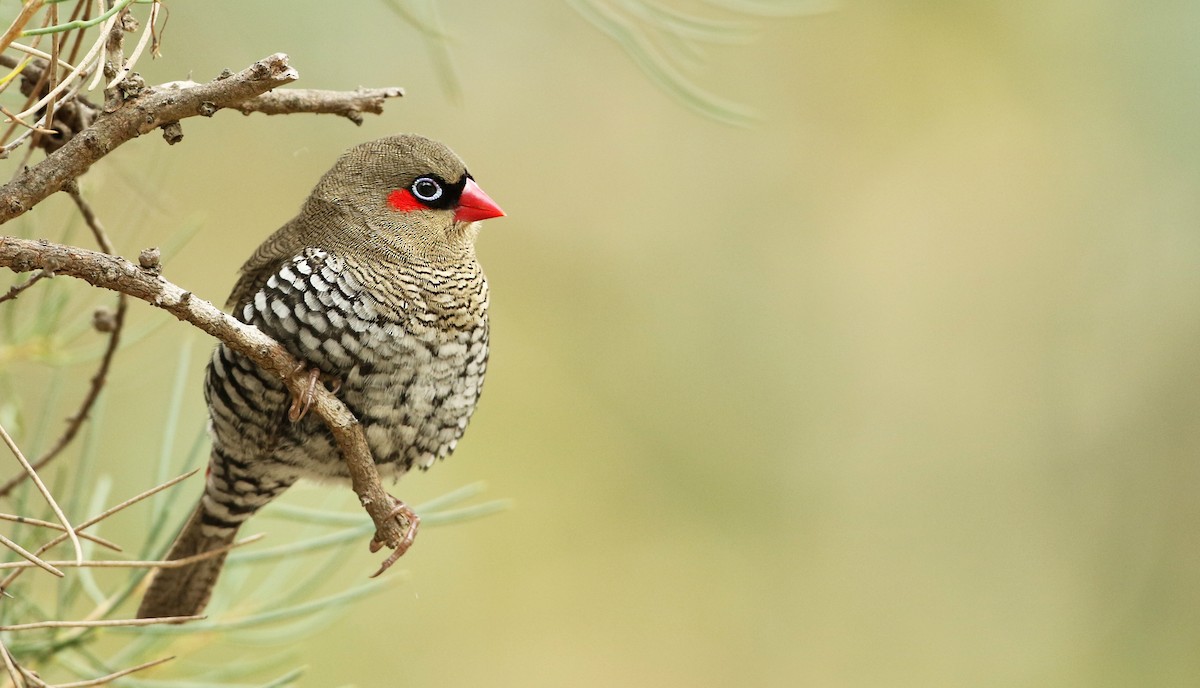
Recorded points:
120,275
147,111
349,105
289,101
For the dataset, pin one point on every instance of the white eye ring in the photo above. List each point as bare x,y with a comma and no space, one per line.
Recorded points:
426,189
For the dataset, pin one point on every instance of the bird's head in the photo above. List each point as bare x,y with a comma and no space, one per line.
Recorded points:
410,195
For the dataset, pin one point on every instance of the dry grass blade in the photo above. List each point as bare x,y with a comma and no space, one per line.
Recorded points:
16,72
98,623
137,498
7,582
87,45
58,512
80,71
33,678
30,556
138,564
30,50
113,676
14,674
18,25
18,119
103,542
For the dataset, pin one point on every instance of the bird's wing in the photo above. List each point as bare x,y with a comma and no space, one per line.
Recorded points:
309,229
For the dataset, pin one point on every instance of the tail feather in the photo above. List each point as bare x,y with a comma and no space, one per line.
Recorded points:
185,590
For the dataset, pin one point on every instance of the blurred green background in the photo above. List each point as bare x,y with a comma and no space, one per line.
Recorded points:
897,386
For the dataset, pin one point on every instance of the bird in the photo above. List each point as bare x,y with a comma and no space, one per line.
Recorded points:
375,287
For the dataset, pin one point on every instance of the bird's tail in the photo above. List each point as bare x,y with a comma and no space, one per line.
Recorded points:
185,590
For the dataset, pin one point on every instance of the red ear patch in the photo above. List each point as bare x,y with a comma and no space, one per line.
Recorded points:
402,200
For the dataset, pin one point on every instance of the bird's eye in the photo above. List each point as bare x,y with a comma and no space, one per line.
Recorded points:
426,189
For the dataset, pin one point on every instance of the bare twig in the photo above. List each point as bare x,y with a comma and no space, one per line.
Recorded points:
290,101
62,518
115,273
89,216
16,289
349,105
75,422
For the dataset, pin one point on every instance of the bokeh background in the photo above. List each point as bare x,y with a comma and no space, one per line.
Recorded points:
898,385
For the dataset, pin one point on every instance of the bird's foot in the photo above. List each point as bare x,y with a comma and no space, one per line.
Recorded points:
302,403
410,521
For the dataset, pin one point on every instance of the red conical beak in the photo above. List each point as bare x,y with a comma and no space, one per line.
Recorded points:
474,204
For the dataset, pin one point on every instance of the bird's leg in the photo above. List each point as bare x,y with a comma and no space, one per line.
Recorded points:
302,403
411,521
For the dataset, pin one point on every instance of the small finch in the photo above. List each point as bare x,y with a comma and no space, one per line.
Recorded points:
374,285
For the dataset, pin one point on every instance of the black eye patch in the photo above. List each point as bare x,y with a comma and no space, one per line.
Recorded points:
431,191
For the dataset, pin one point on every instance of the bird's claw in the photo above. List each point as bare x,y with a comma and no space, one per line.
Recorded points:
413,522
302,403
